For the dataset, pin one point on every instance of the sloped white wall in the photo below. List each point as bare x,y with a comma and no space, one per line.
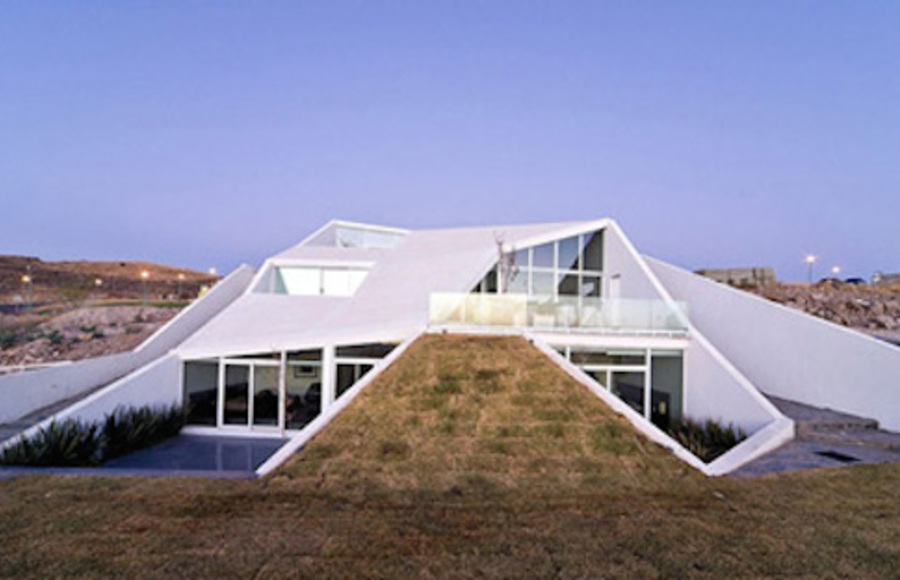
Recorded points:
714,391
156,384
790,354
25,392
620,259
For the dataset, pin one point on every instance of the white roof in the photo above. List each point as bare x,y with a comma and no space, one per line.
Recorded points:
392,302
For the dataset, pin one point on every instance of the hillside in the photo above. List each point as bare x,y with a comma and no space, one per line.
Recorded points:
469,458
83,309
871,309
76,280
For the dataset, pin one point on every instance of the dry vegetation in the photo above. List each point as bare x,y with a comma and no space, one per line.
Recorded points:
471,457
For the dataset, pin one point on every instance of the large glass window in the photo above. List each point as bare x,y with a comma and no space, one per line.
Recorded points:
625,373
667,388
570,253
237,387
265,395
201,392
303,396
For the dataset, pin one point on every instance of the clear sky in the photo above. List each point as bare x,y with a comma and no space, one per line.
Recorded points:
204,133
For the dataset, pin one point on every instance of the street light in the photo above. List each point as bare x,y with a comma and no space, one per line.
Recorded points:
29,290
213,272
145,275
836,270
180,282
810,260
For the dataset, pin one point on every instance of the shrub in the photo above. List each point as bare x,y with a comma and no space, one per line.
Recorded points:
72,443
129,429
69,443
706,440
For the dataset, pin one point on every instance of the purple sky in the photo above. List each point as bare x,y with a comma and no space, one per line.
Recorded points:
214,133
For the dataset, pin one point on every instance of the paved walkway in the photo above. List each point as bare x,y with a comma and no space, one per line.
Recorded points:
826,438
213,457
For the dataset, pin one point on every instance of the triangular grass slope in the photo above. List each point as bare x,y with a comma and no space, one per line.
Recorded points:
468,414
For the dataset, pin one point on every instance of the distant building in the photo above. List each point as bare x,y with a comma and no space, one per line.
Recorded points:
882,279
740,276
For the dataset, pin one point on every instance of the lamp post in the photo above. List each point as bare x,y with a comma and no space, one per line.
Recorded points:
810,260
835,271
145,275
180,282
29,290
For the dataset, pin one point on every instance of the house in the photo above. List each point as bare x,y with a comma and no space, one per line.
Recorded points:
283,349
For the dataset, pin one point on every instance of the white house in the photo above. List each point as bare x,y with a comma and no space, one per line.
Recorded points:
282,350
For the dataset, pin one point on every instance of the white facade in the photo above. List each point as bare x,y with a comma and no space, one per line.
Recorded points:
319,321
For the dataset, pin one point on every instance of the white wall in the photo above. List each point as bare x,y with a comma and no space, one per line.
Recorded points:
156,384
25,392
789,354
620,259
715,390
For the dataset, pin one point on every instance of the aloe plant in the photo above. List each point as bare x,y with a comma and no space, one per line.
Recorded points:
73,443
131,428
706,440
67,443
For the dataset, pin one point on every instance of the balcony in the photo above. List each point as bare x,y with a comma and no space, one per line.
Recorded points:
569,313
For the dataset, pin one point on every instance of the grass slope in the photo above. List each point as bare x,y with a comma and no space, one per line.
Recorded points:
471,457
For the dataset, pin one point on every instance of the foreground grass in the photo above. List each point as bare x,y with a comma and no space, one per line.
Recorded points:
470,457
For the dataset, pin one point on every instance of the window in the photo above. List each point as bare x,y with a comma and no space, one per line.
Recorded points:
312,281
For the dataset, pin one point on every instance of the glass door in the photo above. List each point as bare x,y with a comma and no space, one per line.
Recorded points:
266,379
236,407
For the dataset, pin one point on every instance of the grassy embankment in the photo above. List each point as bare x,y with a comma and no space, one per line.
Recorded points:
469,457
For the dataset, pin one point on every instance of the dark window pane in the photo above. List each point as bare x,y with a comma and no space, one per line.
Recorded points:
568,284
630,388
590,286
237,382
593,252
586,357
374,350
201,392
314,354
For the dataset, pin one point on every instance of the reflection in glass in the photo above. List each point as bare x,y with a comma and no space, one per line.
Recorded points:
629,386
303,398
265,395
569,250
608,357
601,377
590,286
237,384
542,283
542,256
201,392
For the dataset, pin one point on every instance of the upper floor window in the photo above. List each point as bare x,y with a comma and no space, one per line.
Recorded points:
317,281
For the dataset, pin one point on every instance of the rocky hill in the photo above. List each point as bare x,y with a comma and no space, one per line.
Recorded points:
871,309
76,310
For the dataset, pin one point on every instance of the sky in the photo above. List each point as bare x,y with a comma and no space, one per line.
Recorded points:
209,134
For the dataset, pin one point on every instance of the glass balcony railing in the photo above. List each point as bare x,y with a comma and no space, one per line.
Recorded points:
564,312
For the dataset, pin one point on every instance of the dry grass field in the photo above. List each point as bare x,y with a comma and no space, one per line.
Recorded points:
470,457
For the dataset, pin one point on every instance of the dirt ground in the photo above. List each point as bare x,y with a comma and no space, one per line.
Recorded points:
77,334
